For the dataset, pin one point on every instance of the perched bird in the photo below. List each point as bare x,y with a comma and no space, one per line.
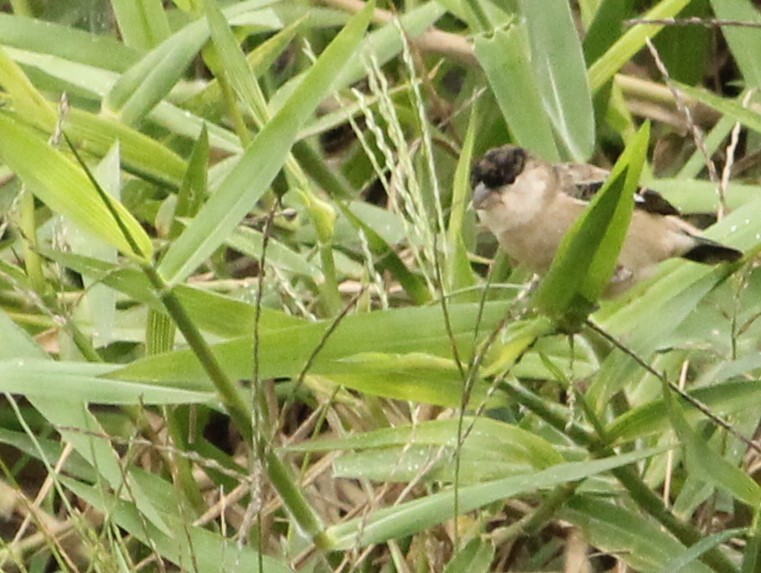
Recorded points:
529,204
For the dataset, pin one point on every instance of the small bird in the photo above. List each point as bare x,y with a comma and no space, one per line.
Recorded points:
529,205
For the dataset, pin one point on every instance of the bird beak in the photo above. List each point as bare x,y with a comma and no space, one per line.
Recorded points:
480,194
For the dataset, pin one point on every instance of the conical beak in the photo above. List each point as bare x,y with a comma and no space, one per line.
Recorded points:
480,194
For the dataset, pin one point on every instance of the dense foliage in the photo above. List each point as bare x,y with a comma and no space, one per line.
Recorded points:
249,321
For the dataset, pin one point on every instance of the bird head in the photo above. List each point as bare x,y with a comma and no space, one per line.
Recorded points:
499,167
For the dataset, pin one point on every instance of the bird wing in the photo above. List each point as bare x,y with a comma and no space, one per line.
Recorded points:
584,181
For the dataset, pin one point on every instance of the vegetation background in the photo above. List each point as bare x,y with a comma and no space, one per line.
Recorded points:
249,322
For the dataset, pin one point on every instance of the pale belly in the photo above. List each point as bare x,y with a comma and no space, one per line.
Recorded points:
643,248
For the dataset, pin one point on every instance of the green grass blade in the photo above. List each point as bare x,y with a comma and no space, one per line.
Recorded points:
99,301
731,108
412,283
67,413
146,83
637,540
561,75
285,351
459,273
475,557
82,382
208,102
652,418
250,242
201,551
411,517
65,187
27,99
744,43
256,169
233,63
490,450
193,190
690,557
141,154
69,44
212,312
620,53
142,23
505,58
605,28
586,258
385,43
706,464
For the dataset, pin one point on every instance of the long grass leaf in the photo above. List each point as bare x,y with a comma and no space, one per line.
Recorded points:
252,175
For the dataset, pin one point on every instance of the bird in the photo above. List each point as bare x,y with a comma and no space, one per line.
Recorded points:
529,204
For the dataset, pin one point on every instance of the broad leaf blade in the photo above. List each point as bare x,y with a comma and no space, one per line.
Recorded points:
586,258
505,57
560,73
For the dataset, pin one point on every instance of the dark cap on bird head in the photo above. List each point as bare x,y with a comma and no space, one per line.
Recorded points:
500,166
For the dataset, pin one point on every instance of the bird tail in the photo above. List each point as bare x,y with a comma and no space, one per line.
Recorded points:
710,252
